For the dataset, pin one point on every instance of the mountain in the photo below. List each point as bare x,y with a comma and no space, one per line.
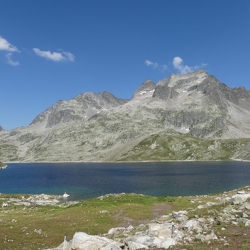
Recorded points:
82,108
182,117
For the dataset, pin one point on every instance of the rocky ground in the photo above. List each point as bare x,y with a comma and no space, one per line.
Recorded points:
212,222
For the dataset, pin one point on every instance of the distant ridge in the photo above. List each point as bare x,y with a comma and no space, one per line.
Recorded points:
182,117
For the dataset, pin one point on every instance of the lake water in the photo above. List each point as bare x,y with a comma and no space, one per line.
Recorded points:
86,180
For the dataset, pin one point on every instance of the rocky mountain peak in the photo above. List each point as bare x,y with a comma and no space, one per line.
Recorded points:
162,121
145,90
99,100
172,86
82,107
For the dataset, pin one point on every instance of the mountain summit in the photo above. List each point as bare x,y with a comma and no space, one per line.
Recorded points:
81,107
182,117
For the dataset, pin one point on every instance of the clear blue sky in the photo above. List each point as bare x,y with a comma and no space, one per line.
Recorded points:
53,50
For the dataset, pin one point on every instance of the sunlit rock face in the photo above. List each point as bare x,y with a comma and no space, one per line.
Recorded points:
168,120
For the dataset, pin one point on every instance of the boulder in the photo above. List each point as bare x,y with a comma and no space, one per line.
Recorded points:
135,245
167,243
83,241
142,239
116,230
192,225
239,198
164,233
247,223
247,205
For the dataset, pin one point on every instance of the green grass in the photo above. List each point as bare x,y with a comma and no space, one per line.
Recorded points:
41,227
183,147
19,224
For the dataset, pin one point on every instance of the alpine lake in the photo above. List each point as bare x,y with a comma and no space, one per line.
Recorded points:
88,180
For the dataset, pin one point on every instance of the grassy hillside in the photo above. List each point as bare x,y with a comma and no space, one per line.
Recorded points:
164,147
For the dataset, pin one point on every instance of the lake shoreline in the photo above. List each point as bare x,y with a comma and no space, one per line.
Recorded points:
52,199
89,162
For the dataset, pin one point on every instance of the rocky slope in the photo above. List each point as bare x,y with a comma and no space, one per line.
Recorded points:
205,225
82,107
182,117
219,221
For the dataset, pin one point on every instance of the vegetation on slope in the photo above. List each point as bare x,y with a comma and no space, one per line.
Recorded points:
165,147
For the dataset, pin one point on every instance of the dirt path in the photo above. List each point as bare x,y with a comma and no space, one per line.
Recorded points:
157,211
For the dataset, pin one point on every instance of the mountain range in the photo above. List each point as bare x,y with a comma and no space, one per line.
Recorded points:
182,117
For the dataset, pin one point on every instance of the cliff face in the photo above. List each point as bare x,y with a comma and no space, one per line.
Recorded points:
182,117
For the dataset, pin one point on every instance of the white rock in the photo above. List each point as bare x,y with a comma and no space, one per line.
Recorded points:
241,192
178,234
116,230
83,241
247,223
143,239
103,212
167,243
154,226
135,245
211,236
112,246
244,215
5,204
179,213
201,206
247,206
239,198
164,233
192,224
157,241
129,228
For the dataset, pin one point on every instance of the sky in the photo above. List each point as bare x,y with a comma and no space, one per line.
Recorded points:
53,50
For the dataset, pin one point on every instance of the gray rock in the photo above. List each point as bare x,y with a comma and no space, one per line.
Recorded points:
167,243
116,230
240,198
146,88
208,237
135,245
102,127
83,241
247,205
192,225
142,239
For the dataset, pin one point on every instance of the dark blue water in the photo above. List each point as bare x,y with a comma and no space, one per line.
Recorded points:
86,180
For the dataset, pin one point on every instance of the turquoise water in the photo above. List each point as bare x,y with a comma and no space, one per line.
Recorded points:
86,180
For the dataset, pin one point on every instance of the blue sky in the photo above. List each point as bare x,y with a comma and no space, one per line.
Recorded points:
53,50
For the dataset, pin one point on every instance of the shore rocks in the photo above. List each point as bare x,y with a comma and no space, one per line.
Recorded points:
171,229
38,199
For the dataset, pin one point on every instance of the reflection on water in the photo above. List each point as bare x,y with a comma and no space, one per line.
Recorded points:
85,180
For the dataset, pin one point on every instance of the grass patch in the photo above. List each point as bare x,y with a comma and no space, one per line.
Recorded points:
42,227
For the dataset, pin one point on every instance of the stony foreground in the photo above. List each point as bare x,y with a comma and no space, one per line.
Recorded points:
174,229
